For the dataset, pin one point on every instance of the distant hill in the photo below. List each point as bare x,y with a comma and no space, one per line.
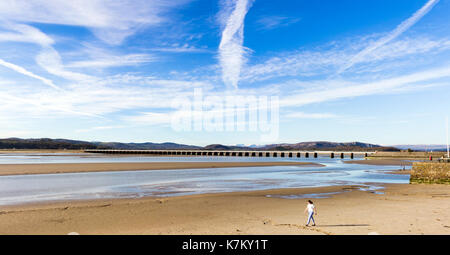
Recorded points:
318,145
220,147
47,143
147,146
328,146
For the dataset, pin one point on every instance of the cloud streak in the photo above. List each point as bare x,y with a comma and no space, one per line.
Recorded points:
28,34
25,72
110,21
231,49
351,90
326,61
405,25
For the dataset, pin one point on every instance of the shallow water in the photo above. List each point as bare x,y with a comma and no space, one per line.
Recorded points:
19,189
30,158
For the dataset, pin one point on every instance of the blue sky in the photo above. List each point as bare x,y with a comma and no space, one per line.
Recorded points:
374,71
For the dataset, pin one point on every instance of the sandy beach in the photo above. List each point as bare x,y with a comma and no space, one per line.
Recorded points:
402,209
54,168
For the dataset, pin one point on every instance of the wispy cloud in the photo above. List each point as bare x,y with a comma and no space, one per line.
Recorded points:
96,98
23,33
25,72
113,61
272,22
231,49
29,34
405,25
330,91
326,60
50,60
111,21
38,106
177,48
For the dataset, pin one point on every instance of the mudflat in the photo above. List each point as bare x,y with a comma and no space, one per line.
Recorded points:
54,168
402,209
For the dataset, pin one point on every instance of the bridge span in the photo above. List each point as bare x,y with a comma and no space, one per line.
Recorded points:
290,154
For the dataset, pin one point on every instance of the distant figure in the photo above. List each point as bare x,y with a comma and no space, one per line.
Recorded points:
311,210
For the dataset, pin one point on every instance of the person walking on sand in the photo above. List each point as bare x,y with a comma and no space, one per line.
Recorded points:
311,211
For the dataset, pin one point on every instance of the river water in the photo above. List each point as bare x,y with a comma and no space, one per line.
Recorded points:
19,189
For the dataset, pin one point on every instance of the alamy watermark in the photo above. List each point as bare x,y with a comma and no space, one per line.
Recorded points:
228,113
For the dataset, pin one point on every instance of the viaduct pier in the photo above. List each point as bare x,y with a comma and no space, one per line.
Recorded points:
290,154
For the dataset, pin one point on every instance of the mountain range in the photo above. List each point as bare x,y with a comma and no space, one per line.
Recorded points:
47,143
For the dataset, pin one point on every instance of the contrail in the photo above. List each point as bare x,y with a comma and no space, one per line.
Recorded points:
231,51
33,35
23,71
405,25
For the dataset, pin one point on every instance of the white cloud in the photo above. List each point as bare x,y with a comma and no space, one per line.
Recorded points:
181,49
50,60
111,21
112,61
138,99
28,34
231,50
23,33
405,25
25,72
37,105
326,60
331,92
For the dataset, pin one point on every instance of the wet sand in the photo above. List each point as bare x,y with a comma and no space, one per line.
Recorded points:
382,162
402,209
54,168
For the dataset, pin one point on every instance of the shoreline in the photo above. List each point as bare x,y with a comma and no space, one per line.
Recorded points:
56,168
77,203
347,210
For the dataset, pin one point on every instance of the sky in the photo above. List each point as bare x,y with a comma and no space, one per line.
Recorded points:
375,71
